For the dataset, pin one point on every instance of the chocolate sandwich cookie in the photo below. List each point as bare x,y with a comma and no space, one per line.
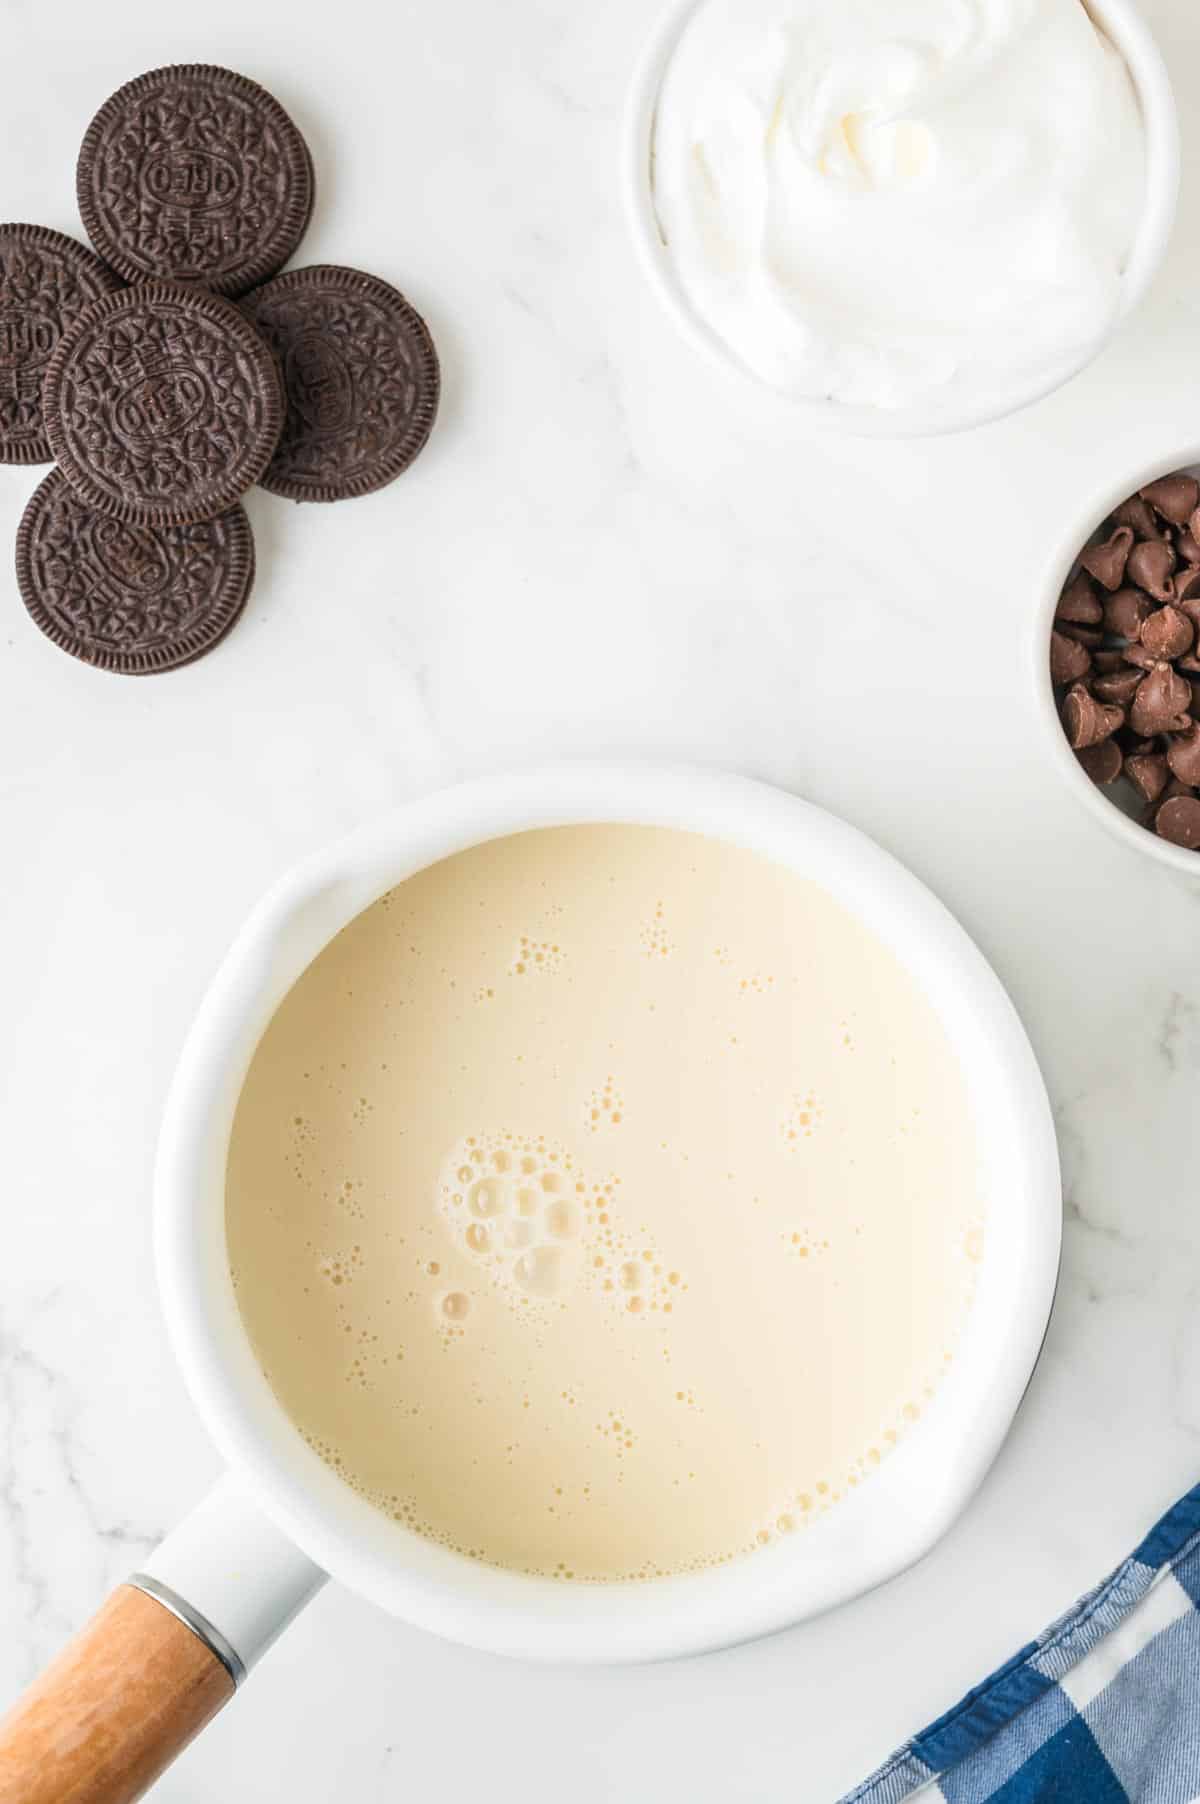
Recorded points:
362,381
162,405
46,281
127,598
195,174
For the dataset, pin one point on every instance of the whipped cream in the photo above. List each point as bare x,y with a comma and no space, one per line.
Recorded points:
892,202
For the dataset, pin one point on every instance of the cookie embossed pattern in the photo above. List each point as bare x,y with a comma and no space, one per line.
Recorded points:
164,402
198,174
129,598
162,405
362,381
46,282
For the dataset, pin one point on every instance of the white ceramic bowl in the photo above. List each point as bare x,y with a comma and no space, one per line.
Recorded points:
883,1526
1101,804
1121,22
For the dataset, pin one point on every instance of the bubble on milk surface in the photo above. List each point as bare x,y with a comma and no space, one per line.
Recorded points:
538,1227
536,958
604,1108
522,1224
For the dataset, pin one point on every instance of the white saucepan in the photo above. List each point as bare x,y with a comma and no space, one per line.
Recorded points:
168,1649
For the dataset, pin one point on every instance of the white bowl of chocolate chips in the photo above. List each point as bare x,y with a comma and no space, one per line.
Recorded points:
1117,653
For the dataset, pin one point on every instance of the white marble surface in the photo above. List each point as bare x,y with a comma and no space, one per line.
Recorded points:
606,548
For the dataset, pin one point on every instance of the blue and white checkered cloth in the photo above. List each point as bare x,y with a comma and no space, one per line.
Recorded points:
1103,1709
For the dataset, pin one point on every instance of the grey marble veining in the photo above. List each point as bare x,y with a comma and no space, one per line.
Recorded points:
608,547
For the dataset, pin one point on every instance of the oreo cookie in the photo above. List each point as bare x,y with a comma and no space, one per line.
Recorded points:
162,405
130,598
362,381
195,174
46,282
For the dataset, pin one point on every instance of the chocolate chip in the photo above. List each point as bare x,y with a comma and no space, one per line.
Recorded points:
1174,788
1147,771
1091,636
1119,686
1107,561
1102,762
1178,820
1080,603
1150,565
1183,754
1125,643
1068,660
1176,497
1088,721
1124,613
1140,515
1162,700
1168,633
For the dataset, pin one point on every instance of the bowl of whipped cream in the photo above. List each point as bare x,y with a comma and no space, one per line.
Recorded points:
903,216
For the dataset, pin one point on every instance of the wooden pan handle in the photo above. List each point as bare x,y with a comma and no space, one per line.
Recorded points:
113,1710
165,1653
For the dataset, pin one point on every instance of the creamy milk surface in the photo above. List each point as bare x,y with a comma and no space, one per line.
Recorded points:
603,1203
886,201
